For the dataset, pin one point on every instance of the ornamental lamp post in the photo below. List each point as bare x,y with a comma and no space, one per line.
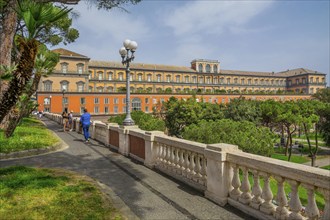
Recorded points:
63,104
50,104
127,55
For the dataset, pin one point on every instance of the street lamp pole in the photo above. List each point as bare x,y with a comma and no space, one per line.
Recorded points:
127,55
50,104
63,108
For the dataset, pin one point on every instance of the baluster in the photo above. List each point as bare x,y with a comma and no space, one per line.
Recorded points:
245,197
177,161
256,191
192,165
198,167
236,183
172,161
158,153
186,163
183,168
161,153
165,155
267,206
294,203
311,209
281,211
326,195
203,171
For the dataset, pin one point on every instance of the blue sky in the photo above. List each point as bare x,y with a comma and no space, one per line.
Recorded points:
242,35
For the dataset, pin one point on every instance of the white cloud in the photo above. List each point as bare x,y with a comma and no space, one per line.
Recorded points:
213,17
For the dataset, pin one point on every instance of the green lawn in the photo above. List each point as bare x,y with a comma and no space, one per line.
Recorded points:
326,167
294,158
29,193
31,134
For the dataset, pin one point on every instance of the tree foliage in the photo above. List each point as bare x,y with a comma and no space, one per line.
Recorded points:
243,109
249,137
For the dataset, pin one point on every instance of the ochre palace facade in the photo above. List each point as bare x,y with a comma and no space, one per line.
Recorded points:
100,86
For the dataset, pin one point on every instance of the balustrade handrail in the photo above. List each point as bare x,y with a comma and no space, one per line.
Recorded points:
181,143
299,172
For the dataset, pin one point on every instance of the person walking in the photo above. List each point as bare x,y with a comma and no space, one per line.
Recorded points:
65,118
85,121
71,120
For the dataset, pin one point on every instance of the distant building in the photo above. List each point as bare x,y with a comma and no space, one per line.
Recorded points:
79,82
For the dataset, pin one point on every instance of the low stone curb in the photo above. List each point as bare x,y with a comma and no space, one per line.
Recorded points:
33,152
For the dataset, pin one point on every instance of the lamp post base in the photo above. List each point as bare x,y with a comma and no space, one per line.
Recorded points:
128,122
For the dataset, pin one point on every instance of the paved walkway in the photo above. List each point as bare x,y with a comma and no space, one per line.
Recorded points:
139,192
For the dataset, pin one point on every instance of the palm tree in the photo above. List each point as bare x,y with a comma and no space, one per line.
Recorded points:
35,18
44,65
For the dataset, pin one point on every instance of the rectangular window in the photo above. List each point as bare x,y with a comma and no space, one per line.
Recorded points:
158,78
303,81
106,100
80,87
80,69
96,109
228,81
115,101
124,100
115,109
147,109
140,78
149,78
65,100
96,100
106,109
82,110
100,76
146,100
82,101
162,100
110,76
297,81
124,109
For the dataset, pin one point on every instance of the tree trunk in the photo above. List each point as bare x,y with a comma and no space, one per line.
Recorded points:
15,119
8,25
23,73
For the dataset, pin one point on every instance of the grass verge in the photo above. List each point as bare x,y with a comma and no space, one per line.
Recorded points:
30,134
294,158
29,193
326,167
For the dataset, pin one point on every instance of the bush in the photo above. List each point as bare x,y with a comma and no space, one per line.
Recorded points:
248,137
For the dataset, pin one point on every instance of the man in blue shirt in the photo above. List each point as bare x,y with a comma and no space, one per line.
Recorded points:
85,121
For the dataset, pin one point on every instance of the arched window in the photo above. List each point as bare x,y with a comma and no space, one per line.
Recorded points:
80,68
110,75
136,104
80,86
100,89
200,67
208,68
110,89
215,68
64,67
100,75
120,76
48,85
149,77
64,85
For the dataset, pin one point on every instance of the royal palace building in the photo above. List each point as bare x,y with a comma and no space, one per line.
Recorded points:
79,82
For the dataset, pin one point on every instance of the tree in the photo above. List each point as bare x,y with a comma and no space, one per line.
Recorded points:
289,118
242,109
35,17
322,95
181,113
44,65
249,137
309,119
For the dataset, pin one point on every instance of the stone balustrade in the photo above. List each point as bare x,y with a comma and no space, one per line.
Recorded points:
223,172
